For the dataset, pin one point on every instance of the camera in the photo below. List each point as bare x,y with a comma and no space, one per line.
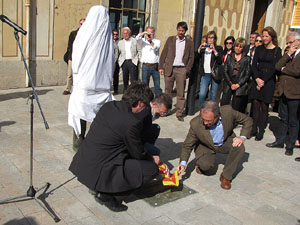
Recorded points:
207,46
149,35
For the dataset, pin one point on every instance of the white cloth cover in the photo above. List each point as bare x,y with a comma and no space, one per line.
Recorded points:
92,66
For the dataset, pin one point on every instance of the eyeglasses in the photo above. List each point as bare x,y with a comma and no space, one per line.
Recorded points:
290,42
228,43
211,37
259,41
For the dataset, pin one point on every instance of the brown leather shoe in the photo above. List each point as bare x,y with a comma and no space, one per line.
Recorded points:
66,93
198,170
180,118
225,184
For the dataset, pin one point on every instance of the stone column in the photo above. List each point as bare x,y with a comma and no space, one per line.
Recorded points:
274,12
247,17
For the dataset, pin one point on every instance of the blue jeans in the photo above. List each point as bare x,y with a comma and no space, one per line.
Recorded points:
147,71
206,80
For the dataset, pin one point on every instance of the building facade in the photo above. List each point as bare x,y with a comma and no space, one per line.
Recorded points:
49,23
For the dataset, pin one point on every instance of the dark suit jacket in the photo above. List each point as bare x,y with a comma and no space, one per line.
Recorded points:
108,159
72,37
199,135
290,76
168,55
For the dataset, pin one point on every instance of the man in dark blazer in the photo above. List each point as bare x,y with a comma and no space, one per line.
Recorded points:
68,59
211,132
175,64
111,160
289,92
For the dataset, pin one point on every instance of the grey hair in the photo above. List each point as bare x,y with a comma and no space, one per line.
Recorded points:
127,28
294,33
211,106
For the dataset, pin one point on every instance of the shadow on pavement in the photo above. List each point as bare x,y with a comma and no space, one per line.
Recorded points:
169,150
23,94
23,221
6,123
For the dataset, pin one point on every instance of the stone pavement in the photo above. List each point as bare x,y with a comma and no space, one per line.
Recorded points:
265,191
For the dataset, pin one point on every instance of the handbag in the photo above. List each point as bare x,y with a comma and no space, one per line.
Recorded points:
217,72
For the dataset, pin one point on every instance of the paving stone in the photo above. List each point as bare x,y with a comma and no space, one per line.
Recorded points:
266,187
91,220
162,220
276,215
70,209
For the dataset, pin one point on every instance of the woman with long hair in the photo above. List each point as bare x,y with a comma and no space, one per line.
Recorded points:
228,47
237,71
263,67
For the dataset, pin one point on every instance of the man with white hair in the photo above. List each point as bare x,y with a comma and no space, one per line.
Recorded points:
129,54
289,92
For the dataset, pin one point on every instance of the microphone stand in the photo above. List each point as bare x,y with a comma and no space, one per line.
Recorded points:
31,192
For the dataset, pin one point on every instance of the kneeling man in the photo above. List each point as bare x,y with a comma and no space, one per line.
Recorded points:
112,160
212,132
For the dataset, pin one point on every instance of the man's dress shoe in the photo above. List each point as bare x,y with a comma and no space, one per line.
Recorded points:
225,184
297,159
66,93
198,170
110,202
275,144
289,151
180,118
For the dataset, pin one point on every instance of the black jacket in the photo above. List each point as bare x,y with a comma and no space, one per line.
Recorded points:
243,75
214,58
108,159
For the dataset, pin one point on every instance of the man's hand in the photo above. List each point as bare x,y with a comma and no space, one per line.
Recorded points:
237,142
180,168
161,71
156,159
292,49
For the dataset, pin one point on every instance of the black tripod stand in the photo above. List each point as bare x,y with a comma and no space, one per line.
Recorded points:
31,192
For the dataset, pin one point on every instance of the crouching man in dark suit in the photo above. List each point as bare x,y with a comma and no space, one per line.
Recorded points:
112,160
211,132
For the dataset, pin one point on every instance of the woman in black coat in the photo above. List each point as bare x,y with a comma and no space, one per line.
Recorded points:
237,71
263,67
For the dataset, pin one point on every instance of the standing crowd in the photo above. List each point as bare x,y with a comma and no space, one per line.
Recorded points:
119,156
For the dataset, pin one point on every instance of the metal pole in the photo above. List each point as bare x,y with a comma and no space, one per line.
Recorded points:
193,80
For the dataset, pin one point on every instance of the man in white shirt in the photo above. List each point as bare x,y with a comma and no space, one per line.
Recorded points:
150,57
129,54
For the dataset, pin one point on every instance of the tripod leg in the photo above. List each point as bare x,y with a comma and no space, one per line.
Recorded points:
13,198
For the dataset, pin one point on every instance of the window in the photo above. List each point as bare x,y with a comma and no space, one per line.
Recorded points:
128,13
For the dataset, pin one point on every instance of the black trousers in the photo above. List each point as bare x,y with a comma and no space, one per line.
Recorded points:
260,116
149,171
116,77
238,102
129,69
289,121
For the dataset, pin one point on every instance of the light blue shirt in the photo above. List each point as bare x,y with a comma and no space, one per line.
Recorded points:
217,133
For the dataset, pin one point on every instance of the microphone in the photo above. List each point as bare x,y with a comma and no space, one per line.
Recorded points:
10,23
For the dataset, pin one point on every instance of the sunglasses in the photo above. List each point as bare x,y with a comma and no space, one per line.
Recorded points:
115,34
229,43
259,41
